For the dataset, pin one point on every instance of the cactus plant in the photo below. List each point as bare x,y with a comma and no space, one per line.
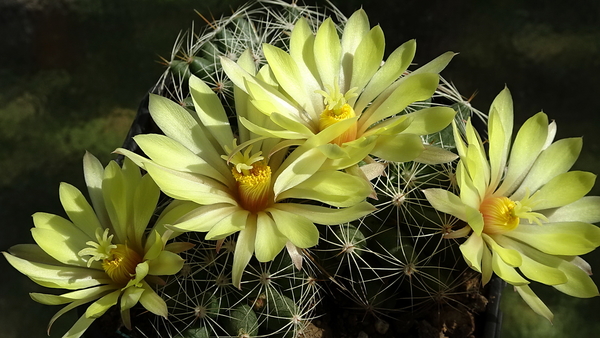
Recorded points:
392,261
367,197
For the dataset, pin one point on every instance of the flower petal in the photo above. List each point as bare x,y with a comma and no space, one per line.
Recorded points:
298,229
580,263
392,69
178,247
169,153
414,88
585,209
262,92
325,215
500,125
190,187
69,297
506,272
52,276
154,246
152,302
355,29
78,209
178,124
115,199
366,59
478,169
332,187
534,302
66,309
430,120
392,126
167,263
210,111
328,50
99,307
295,254
145,199
132,175
269,241
32,253
542,273
288,124
203,218
525,150
536,265
398,148
486,266
79,328
460,144
579,284
94,173
563,189
474,219
141,271
173,212
244,249
130,298
472,250
262,131
568,238
355,151
468,192
288,76
62,248
298,171
436,65
509,256
447,202
232,223
301,50
434,155
556,159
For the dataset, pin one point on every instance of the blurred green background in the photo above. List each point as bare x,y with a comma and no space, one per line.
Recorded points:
72,73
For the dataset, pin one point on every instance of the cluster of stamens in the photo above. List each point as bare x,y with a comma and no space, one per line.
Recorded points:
337,109
253,177
501,214
118,260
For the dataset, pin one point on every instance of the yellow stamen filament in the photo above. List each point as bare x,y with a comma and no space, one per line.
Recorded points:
499,215
121,264
254,186
337,109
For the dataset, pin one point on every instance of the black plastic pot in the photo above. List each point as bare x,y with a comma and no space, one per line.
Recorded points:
493,315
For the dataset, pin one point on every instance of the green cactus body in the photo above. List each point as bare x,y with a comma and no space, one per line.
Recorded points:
392,260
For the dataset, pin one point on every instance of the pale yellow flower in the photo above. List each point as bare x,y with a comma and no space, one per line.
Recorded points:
102,254
343,87
272,198
524,209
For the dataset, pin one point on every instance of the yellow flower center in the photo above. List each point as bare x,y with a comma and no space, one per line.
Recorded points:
254,186
499,215
118,260
337,109
121,264
253,177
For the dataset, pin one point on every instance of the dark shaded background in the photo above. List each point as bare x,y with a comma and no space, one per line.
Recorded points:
73,72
